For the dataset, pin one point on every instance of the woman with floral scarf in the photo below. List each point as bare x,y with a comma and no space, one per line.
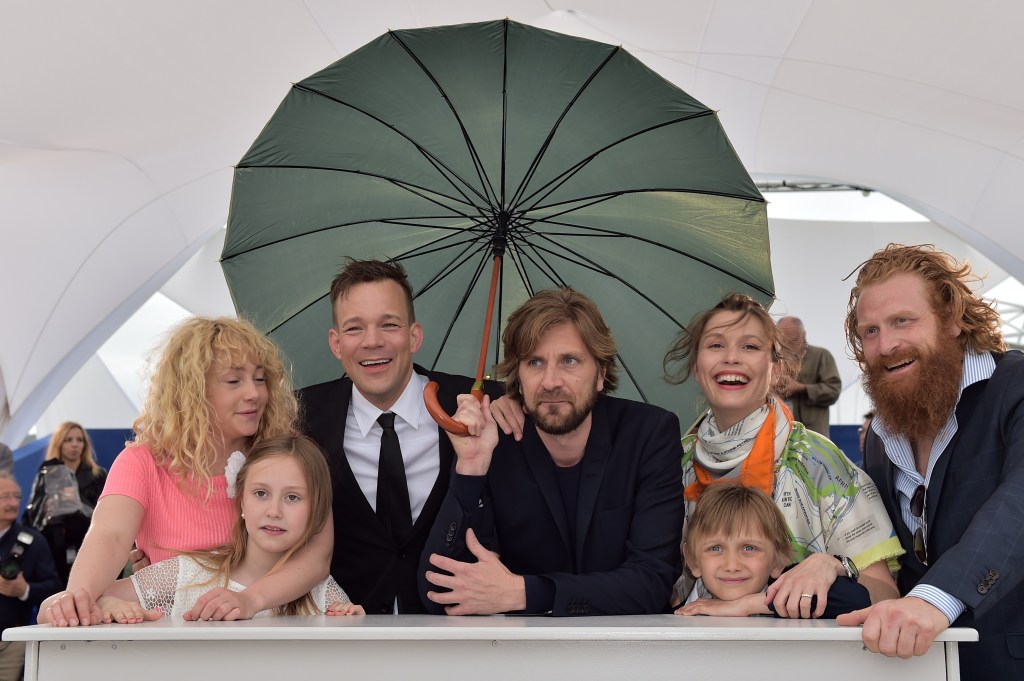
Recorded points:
837,523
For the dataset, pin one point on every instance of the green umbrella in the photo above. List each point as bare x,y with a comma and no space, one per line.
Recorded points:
443,147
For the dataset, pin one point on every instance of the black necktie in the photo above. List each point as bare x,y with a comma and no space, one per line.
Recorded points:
392,490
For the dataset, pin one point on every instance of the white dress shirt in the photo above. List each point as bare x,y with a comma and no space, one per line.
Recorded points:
976,367
417,434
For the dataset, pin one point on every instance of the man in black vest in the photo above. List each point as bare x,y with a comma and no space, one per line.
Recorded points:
380,521
946,449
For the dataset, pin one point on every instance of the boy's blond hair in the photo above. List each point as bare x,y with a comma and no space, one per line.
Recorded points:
729,507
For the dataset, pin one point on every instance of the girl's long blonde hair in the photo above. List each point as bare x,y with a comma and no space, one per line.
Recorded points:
57,439
176,420
224,559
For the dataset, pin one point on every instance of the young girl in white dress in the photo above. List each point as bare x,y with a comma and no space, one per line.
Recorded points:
282,495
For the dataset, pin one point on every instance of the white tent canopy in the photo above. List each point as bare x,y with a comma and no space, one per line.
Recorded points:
121,121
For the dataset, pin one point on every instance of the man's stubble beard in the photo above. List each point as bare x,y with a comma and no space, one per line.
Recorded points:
549,422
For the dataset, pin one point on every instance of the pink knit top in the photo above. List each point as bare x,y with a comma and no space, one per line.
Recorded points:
174,520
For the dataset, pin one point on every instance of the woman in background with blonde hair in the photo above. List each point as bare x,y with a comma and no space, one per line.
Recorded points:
64,493
219,387
71,445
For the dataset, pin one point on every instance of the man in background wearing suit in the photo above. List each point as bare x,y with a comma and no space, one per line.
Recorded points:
582,516
374,335
817,385
947,452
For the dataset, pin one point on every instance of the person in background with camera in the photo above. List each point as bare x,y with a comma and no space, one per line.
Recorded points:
27,575
64,494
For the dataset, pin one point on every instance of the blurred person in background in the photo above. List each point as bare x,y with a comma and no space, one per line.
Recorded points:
817,384
27,575
64,493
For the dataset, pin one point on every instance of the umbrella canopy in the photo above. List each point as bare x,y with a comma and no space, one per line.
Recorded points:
436,147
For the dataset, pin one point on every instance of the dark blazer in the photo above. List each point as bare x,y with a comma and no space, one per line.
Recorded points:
64,533
90,486
845,595
629,515
371,567
975,515
38,570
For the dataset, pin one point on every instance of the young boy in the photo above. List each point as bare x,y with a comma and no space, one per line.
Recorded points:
736,543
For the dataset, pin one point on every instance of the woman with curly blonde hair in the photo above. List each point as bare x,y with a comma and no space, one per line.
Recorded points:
219,387
283,483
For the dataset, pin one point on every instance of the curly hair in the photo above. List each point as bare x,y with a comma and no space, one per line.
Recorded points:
682,355
57,439
545,310
176,422
951,296
224,559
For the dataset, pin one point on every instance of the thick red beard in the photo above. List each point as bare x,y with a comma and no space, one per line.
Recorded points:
918,407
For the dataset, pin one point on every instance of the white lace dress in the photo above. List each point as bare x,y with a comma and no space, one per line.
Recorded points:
173,586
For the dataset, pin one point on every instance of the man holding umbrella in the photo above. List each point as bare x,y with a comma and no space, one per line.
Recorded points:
586,511
389,465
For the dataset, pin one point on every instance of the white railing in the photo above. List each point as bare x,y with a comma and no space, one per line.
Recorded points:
423,647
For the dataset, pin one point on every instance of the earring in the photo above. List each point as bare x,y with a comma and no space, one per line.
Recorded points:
243,516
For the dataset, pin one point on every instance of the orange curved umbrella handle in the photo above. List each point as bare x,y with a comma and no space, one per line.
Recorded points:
438,413
430,392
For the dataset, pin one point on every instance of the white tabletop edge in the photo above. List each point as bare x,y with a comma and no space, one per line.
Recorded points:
431,628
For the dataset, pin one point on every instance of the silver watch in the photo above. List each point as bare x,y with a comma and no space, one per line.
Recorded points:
851,569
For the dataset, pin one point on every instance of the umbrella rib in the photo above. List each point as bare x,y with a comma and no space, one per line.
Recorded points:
542,264
458,310
632,378
589,264
442,168
407,222
530,251
418,191
504,109
614,234
401,184
641,190
297,313
420,251
477,163
554,183
516,254
554,128
462,257
321,297
712,265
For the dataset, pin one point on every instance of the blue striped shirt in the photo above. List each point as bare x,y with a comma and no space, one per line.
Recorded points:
977,367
